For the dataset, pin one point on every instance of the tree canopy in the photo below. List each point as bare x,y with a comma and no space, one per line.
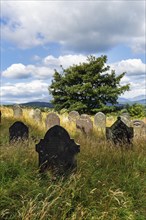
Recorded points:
87,87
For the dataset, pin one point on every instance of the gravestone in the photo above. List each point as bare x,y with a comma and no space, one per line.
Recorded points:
100,120
85,125
57,151
31,113
139,128
18,132
17,111
119,133
37,116
73,116
51,120
126,115
126,120
85,116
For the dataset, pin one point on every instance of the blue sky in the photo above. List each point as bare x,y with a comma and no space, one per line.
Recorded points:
39,36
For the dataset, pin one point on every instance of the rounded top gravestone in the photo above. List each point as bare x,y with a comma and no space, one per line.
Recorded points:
37,116
85,125
17,111
52,119
85,116
73,116
18,132
100,120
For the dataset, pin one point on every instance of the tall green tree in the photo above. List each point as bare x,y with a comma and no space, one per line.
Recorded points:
86,87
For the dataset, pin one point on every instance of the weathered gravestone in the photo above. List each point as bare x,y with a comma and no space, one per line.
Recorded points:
126,115
37,116
18,132
85,125
57,151
31,113
85,116
51,120
139,128
73,116
17,111
126,120
120,133
100,120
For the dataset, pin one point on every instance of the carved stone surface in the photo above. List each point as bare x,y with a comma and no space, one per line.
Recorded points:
100,120
126,115
85,125
85,116
51,120
18,131
73,116
57,151
139,128
17,111
37,116
120,133
126,120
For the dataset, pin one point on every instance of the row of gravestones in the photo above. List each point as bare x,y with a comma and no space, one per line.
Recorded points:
83,122
57,150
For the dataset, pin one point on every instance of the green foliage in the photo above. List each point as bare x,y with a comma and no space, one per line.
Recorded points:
136,110
87,86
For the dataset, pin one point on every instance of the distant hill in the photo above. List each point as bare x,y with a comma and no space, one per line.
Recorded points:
37,104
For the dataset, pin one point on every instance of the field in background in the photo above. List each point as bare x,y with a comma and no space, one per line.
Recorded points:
109,184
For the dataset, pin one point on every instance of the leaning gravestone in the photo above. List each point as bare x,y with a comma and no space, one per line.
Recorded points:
120,133
139,128
18,131
57,151
85,125
37,116
51,120
85,116
100,120
17,111
126,115
73,116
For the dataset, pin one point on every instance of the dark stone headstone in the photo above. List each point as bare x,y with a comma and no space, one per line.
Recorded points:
18,131
120,133
57,151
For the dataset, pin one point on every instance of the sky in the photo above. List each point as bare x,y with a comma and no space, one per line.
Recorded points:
39,36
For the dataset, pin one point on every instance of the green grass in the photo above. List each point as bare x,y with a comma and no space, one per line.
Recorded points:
109,183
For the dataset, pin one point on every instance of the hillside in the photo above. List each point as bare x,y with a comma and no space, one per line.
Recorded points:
109,183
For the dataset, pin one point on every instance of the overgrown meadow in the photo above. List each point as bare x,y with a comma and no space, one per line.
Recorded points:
110,182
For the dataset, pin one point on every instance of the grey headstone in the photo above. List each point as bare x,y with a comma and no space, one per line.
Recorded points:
126,120
120,133
85,125
57,151
73,116
125,115
139,128
85,116
18,131
17,111
100,120
37,116
52,119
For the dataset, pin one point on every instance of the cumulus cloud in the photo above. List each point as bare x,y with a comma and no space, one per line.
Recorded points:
90,26
24,92
46,68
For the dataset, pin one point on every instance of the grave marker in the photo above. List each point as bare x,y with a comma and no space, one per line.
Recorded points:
100,120
17,111
120,133
18,132
51,120
57,151
85,125
73,116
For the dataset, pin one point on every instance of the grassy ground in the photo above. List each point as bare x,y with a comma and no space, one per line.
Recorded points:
109,184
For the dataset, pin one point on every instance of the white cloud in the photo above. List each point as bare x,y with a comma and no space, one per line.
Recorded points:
45,70
24,92
20,71
90,26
